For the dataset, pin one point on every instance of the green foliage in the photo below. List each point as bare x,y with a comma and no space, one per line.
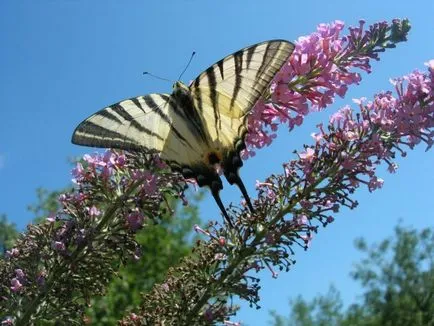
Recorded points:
163,245
47,203
397,276
321,311
8,234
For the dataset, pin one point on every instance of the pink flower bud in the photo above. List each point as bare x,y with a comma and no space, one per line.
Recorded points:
16,285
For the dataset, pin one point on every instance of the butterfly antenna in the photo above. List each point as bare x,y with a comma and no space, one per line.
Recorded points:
215,194
185,69
158,77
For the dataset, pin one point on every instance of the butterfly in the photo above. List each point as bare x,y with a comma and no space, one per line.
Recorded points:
197,126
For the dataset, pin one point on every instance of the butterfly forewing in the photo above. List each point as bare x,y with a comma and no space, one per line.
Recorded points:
150,123
230,88
136,123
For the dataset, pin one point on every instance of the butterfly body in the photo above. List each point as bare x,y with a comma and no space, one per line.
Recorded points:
197,126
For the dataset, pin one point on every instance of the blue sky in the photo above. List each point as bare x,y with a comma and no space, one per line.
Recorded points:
63,60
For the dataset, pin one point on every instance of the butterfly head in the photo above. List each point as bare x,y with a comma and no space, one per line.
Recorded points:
180,86
181,93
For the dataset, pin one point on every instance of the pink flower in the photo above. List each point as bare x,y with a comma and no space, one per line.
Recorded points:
220,256
107,172
330,219
208,315
79,197
14,252
160,164
93,211
16,285
78,173
307,156
94,160
301,220
317,136
40,279
52,217
135,220
149,185
63,198
307,238
306,204
121,160
231,323
198,229
58,246
259,184
19,274
393,167
8,321
109,158
165,287
340,118
375,183
319,69
430,65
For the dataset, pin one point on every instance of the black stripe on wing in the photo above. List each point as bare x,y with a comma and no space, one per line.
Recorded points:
122,124
110,116
250,52
119,109
238,60
150,101
242,76
210,73
270,53
91,134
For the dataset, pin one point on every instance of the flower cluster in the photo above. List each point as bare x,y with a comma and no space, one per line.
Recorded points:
76,249
317,71
346,155
290,206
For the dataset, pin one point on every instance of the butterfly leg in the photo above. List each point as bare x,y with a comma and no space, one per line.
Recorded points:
232,164
208,177
216,195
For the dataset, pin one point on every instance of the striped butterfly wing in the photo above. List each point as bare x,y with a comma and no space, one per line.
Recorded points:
229,89
222,97
195,127
150,123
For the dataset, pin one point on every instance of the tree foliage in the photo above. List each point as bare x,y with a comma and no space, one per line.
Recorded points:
397,277
8,234
47,202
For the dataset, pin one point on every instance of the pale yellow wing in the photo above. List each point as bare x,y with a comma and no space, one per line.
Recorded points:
225,92
150,123
222,96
